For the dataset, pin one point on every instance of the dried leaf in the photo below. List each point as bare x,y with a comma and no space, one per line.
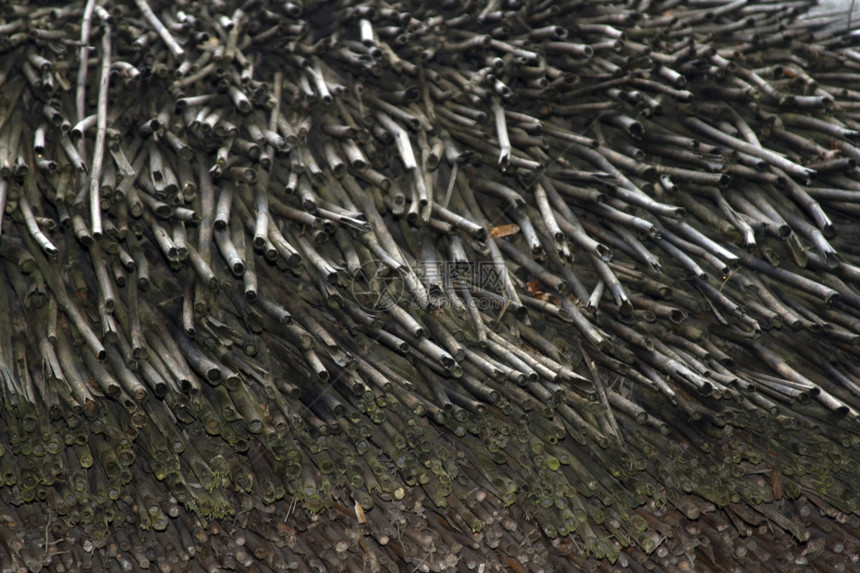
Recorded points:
776,483
359,513
504,231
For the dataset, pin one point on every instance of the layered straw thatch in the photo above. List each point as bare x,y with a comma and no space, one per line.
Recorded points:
515,285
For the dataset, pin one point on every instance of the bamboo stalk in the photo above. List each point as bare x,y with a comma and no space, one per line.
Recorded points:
159,27
101,127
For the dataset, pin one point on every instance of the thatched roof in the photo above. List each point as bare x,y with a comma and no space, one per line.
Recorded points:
489,286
